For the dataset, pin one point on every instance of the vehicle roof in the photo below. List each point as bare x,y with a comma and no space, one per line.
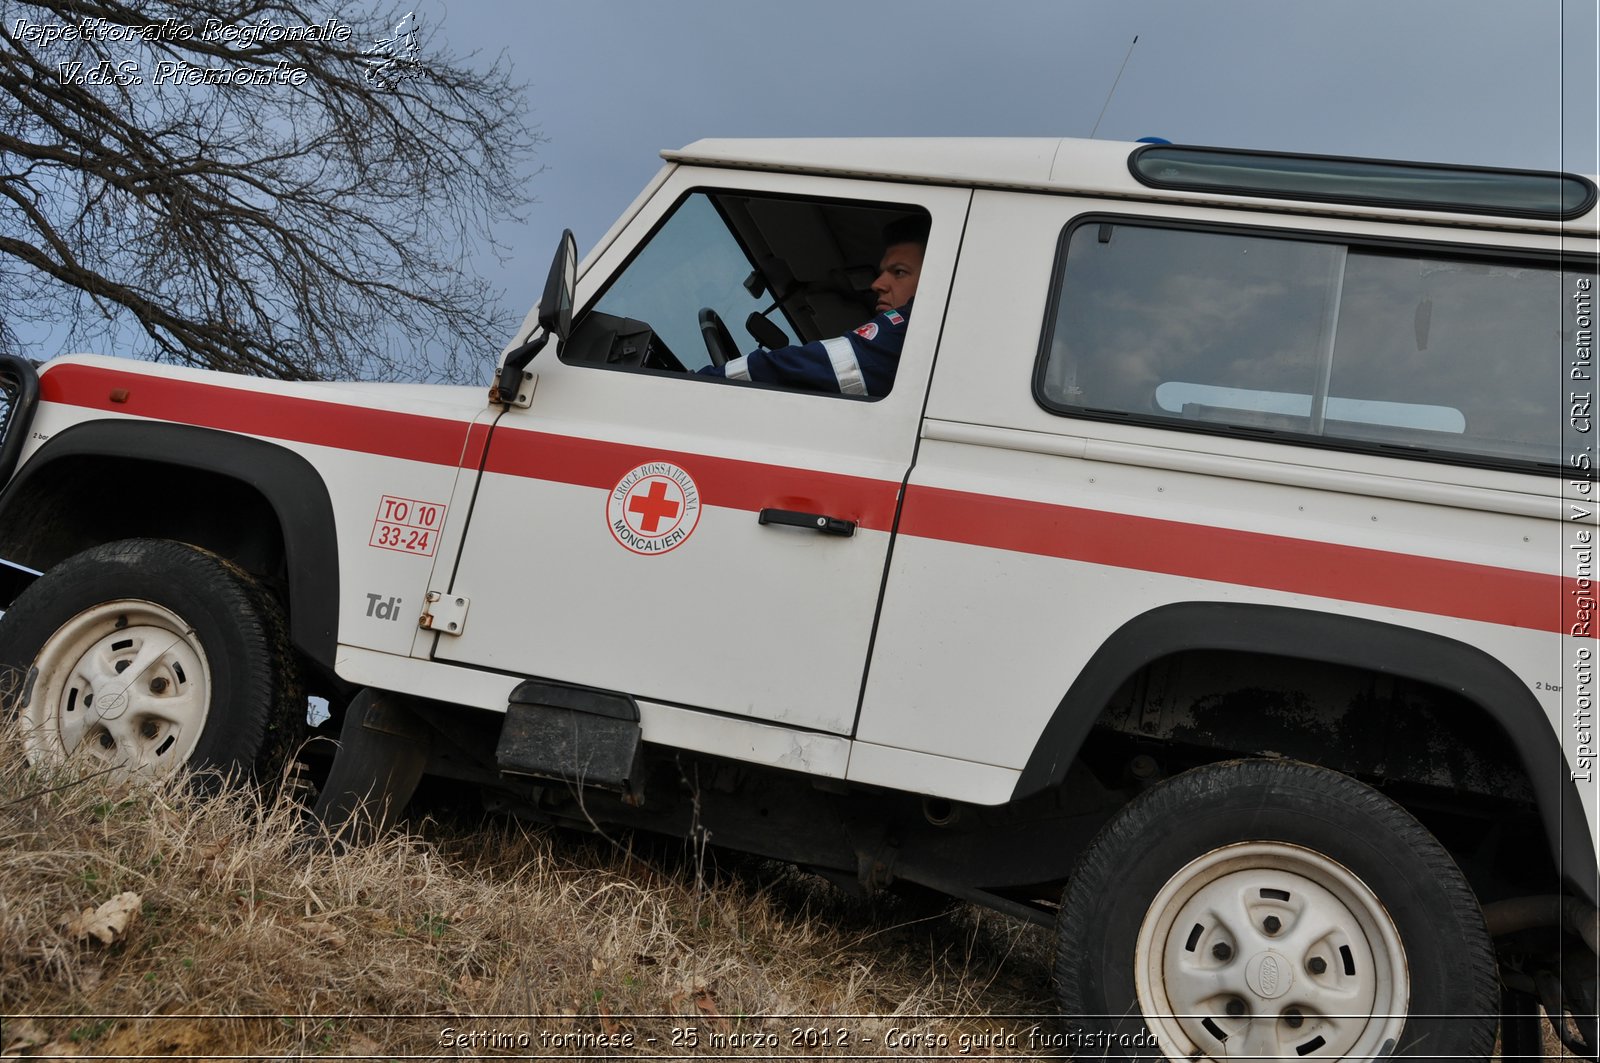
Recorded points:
1064,164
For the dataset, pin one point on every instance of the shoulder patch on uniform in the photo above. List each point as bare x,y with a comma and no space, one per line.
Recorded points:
894,317
869,330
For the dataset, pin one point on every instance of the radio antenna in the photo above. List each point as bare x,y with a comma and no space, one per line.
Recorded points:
1113,91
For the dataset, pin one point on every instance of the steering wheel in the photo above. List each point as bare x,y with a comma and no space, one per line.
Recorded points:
719,341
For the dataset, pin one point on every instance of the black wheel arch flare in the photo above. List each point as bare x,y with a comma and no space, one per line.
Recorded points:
1333,639
289,483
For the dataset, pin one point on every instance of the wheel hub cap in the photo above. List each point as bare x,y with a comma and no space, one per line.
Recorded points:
1270,950
125,685
1270,975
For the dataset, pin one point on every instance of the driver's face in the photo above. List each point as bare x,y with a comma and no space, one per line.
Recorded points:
898,274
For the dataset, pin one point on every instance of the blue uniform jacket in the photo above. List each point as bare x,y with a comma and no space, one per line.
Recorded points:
861,362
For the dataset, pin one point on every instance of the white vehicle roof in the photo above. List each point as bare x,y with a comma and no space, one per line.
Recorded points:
1062,165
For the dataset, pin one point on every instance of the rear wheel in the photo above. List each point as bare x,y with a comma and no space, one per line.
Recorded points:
1274,910
141,656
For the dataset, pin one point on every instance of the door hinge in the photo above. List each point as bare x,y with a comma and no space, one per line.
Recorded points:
521,396
444,613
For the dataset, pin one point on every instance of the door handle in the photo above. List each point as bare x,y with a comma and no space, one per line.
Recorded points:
817,522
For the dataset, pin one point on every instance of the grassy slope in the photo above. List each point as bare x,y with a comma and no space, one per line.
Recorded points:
249,941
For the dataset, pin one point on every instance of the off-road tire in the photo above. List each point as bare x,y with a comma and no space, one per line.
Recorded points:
1167,904
217,689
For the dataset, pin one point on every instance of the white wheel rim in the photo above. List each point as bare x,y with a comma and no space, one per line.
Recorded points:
1270,950
125,686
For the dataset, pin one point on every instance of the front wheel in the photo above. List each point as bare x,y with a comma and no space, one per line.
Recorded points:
141,656
1273,910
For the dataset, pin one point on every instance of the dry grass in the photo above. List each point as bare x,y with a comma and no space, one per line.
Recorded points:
250,941
253,939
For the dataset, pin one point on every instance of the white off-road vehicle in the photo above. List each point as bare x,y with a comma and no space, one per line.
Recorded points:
1215,582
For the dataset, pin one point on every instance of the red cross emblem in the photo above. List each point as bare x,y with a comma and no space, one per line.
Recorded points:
654,508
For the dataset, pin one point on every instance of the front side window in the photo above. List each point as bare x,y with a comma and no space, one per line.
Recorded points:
1426,353
771,272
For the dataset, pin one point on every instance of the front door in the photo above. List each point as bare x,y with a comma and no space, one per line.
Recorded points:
645,529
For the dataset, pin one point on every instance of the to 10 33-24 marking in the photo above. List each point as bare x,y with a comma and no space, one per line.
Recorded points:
408,525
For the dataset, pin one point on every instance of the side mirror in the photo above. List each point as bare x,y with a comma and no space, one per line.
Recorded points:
555,305
555,319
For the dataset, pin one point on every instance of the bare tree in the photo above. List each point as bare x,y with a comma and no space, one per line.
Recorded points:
253,185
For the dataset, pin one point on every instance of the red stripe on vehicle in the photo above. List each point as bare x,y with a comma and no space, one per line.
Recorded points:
413,437
727,482
1485,593
1252,559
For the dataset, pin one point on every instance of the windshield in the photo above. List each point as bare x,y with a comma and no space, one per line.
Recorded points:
692,261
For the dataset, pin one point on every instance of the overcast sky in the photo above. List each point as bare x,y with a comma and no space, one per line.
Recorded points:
612,82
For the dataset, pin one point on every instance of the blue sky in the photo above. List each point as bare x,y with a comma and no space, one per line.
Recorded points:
612,82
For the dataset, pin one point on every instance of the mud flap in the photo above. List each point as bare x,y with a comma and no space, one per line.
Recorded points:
383,748
575,734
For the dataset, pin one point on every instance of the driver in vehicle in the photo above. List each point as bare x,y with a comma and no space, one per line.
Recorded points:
863,361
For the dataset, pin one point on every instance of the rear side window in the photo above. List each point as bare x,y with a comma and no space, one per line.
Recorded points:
1420,352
